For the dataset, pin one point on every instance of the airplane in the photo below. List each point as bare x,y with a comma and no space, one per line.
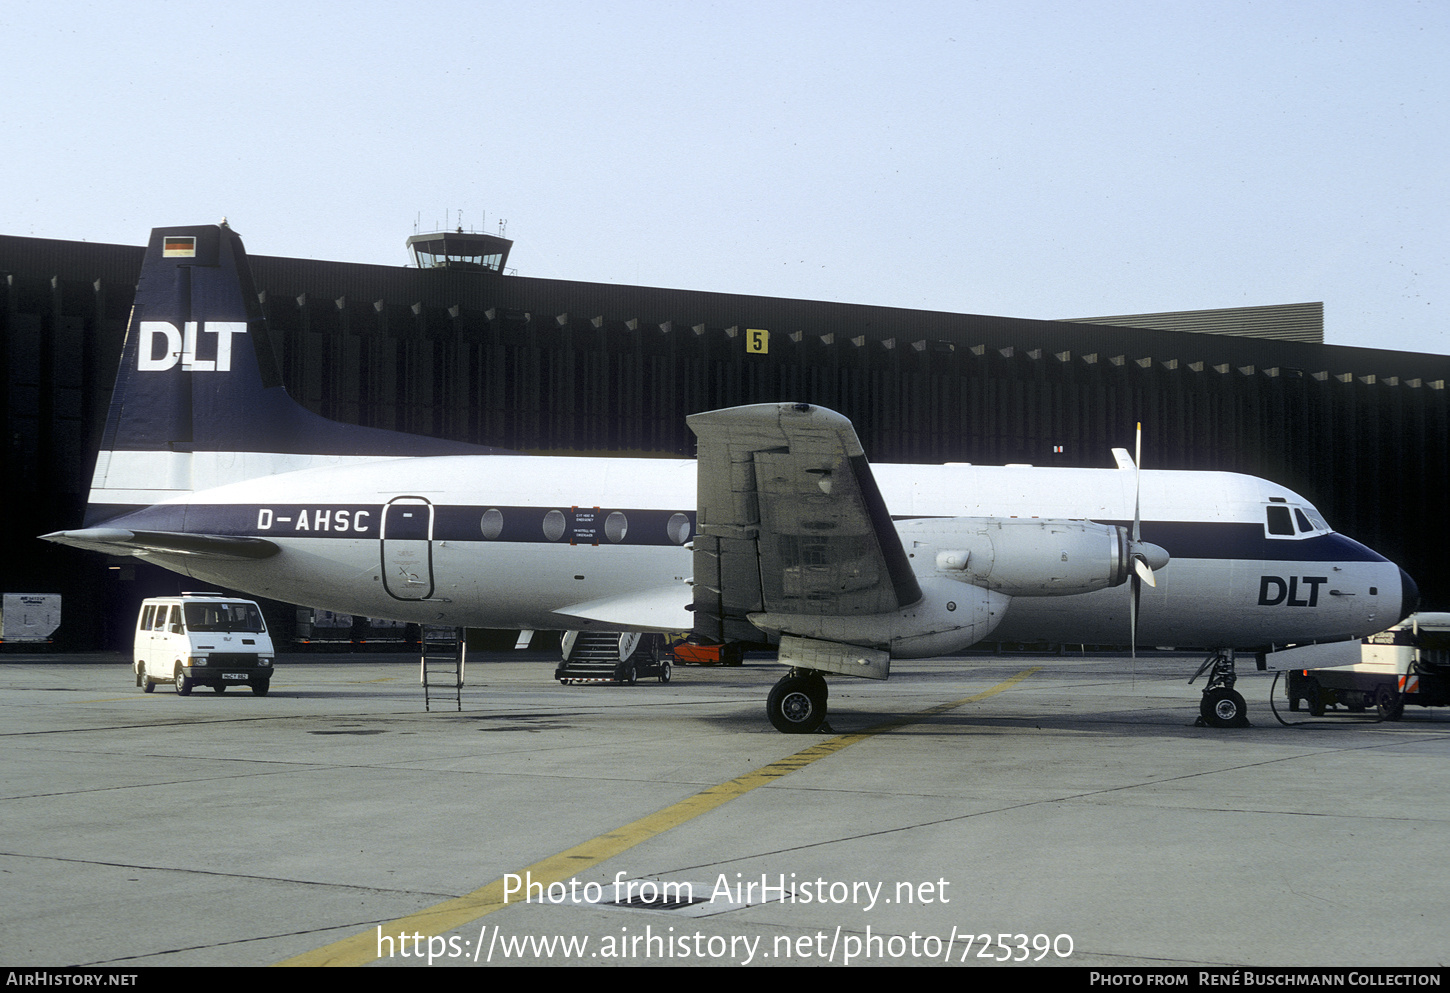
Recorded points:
779,534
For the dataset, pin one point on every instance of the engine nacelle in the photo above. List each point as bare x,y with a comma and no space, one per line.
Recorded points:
948,618
1028,557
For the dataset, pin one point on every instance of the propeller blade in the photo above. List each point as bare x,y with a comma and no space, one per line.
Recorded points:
1138,486
1137,588
1144,570
1142,573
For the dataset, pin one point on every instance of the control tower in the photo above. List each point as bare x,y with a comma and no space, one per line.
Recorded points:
460,250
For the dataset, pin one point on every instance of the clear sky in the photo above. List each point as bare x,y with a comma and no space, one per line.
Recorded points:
1013,157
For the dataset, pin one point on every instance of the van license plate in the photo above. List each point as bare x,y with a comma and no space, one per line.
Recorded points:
235,675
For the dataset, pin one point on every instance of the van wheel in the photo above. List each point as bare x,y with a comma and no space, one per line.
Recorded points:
218,689
183,685
261,687
144,681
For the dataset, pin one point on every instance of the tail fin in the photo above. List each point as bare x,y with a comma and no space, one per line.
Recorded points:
199,400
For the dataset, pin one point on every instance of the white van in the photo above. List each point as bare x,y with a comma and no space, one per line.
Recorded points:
202,639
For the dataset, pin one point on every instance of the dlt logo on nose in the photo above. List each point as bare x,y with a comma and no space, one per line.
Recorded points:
1274,590
181,345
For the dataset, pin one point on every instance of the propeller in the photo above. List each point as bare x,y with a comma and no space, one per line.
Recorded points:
1145,556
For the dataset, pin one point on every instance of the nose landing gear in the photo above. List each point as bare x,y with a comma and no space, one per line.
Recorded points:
1221,706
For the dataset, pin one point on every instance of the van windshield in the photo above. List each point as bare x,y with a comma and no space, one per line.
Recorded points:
239,616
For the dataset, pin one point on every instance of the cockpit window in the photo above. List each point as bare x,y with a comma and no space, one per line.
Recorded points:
1284,521
1280,522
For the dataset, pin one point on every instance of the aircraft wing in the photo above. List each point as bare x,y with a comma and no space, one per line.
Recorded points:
790,521
664,609
121,541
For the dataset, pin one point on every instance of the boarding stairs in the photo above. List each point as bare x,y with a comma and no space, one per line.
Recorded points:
440,663
593,655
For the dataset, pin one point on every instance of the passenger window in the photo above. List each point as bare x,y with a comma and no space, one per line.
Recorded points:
175,620
1280,523
161,616
148,614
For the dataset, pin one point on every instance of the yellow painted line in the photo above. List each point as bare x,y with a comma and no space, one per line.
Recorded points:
359,949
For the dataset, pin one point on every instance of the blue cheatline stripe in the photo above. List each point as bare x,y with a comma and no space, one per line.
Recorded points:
481,523
589,525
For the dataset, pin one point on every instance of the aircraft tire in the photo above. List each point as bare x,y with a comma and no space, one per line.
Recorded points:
1389,704
183,685
1223,708
797,704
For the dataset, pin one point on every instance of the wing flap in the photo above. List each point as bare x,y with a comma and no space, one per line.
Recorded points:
832,656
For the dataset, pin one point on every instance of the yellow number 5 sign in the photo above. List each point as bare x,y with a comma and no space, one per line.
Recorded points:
757,340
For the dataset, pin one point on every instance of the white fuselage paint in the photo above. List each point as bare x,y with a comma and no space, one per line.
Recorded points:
335,558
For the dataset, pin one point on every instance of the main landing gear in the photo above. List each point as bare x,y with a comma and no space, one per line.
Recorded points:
1222,706
797,704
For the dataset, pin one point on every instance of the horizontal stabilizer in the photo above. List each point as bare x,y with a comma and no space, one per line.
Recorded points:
119,541
664,609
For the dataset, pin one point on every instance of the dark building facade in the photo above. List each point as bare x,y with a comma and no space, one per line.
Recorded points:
544,365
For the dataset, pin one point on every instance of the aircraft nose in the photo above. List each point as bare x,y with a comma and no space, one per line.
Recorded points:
1409,595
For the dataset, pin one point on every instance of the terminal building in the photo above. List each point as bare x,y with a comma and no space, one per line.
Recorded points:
458,346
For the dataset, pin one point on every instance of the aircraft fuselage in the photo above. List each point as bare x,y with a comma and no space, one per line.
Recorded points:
511,541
